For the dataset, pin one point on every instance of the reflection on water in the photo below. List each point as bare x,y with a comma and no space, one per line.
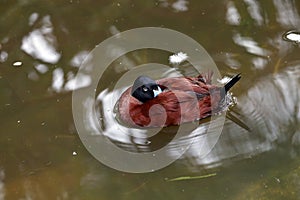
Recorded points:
270,109
2,190
40,43
50,40
287,13
250,45
142,140
178,5
3,56
292,36
232,15
78,58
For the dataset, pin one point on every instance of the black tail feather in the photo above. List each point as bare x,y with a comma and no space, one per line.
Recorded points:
231,83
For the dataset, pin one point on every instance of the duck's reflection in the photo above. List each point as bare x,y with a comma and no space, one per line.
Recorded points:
271,110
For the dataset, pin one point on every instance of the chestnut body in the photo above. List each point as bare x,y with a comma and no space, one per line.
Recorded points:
182,99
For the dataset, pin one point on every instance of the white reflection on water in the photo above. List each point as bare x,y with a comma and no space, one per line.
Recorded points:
79,58
287,13
57,79
41,68
232,15
259,62
91,123
32,18
77,82
255,11
230,59
178,5
110,126
40,43
3,56
271,109
2,189
250,45
59,84
253,47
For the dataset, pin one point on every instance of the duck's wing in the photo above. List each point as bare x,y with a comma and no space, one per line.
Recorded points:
185,84
175,107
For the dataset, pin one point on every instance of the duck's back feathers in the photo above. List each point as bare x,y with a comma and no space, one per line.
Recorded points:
178,103
183,99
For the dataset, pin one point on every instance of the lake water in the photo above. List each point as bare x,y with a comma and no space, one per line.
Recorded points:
42,154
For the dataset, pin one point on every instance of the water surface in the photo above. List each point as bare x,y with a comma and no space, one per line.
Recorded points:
42,44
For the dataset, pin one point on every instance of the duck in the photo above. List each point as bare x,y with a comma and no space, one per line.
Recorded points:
171,101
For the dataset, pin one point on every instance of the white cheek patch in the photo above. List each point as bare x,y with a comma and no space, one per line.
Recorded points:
157,92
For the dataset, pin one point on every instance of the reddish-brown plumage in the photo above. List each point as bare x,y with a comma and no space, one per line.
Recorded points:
183,99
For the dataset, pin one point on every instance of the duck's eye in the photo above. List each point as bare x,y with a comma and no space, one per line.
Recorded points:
145,89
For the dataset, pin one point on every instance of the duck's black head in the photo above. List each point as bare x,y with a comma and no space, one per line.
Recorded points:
145,89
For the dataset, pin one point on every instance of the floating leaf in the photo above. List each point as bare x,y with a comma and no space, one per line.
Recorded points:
183,178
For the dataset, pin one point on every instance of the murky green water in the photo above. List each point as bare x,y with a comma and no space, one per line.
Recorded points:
42,44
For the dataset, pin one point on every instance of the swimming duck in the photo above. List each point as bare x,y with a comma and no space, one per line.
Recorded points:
171,101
